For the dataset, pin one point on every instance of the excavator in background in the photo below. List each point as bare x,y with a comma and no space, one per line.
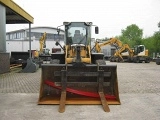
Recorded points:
78,75
42,46
42,54
137,55
112,41
140,54
120,48
43,50
124,53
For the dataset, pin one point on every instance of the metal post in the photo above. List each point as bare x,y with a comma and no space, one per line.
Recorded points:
30,41
2,29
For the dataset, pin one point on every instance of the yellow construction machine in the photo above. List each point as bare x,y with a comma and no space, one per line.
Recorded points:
42,42
42,46
78,76
137,55
123,52
112,41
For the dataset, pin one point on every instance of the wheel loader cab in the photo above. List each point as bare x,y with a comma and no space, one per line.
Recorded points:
77,33
78,42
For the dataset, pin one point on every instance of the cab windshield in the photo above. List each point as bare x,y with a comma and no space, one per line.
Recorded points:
77,33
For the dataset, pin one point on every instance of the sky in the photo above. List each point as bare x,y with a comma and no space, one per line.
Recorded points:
111,16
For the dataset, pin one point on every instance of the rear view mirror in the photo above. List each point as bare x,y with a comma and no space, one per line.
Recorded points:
96,30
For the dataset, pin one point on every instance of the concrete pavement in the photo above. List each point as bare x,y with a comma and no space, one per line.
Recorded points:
139,88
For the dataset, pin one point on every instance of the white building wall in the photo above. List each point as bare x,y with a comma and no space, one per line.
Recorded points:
24,45
17,46
13,45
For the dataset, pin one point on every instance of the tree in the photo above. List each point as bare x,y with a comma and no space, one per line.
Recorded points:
157,41
149,44
132,35
152,43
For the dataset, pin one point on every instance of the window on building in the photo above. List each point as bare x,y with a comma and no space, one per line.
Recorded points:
7,37
50,36
18,35
14,36
36,34
59,37
22,34
11,36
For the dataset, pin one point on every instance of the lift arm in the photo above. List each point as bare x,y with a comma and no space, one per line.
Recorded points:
112,41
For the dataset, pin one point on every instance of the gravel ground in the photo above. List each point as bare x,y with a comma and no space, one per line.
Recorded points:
138,77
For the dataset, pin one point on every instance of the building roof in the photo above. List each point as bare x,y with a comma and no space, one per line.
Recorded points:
39,27
44,27
15,14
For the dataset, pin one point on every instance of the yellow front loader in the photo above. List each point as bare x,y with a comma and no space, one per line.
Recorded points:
78,76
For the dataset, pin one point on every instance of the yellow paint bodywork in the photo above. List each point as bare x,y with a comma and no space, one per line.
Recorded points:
146,52
70,54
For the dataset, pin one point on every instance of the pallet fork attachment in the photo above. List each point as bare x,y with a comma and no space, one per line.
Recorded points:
63,91
100,80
